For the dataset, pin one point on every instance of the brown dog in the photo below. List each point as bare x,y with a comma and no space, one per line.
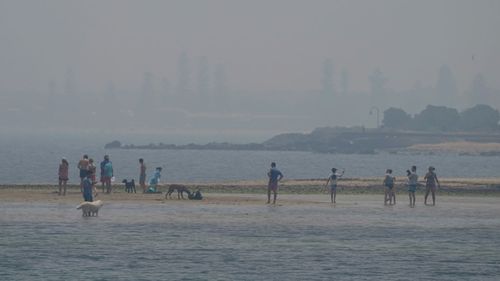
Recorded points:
180,190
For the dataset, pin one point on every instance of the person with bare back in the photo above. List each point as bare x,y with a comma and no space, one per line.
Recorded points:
83,166
332,181
275,176
431,182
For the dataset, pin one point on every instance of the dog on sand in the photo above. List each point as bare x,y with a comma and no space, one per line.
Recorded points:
180,190
90,209
129,186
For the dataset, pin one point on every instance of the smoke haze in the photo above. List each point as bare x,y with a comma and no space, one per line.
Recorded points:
274,66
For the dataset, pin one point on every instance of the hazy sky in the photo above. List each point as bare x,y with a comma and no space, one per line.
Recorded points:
264,44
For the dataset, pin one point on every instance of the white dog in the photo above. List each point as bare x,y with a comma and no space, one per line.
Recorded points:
90,209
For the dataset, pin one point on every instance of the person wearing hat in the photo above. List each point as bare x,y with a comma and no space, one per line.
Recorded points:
430,185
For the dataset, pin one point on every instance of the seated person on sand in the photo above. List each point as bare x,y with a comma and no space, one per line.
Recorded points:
153,182
196,195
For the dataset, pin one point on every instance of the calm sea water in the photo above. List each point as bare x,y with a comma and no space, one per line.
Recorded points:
354,241
35,160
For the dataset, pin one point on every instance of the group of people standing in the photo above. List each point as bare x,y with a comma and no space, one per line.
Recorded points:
87,171
431,184
153,181
88,180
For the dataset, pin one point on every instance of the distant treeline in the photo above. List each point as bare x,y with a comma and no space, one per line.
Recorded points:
441,118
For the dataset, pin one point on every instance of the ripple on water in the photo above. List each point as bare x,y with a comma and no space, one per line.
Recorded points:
158,242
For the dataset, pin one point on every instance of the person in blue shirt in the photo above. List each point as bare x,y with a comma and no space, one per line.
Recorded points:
88,188
108,175
153,181
104,179
275,176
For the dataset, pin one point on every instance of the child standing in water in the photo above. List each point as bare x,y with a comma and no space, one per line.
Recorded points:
332,180
63,176
412,184
389,188
430,185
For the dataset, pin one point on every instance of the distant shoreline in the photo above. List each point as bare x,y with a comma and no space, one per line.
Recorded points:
352,141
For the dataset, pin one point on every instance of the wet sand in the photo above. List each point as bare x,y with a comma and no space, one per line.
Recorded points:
305,191
467,147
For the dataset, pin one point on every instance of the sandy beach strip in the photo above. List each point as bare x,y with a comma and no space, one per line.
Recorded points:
302,191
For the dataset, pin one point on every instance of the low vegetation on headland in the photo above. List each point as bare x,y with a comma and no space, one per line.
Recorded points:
435,129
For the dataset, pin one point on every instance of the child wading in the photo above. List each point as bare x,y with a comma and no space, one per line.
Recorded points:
332,180
412,184
389,195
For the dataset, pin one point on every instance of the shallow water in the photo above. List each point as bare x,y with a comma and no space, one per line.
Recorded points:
356,240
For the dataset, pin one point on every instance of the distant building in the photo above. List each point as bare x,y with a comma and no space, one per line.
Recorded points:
377,83
202,78
70,83
183,75
446,87
220,98
165,91
344,82
479,92
328,88
147,86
